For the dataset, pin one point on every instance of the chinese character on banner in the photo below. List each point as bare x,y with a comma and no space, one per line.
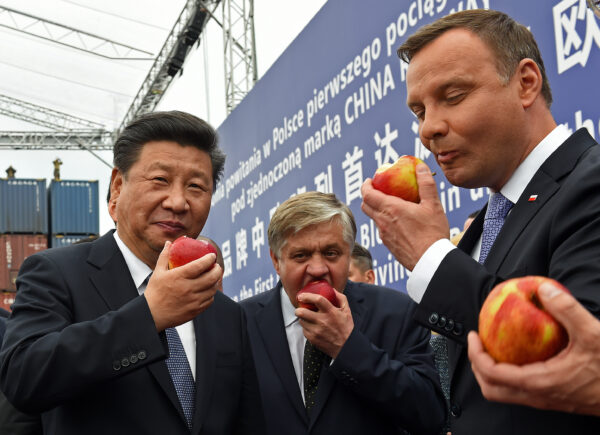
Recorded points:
385,143
226,251
353,174
324,181
420,151
258,236
241,246
575,32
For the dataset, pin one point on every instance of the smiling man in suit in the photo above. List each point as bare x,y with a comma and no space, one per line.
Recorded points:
104,338
363,368
476,83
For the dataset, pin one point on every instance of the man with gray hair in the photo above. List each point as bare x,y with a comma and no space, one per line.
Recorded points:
364,367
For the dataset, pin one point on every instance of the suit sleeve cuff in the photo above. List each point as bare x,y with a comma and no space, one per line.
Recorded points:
425,268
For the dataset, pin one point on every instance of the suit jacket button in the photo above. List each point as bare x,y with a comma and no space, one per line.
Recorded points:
450,325
133,359
125,362
458,329
433,318
141,354
442,322
116,365
455,410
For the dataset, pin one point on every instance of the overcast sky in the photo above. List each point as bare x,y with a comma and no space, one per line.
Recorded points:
277,23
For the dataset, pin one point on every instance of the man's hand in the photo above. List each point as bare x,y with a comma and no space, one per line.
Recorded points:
406,228
329,328
178,295
569,381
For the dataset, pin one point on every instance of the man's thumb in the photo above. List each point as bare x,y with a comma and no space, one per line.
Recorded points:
565,309
427,189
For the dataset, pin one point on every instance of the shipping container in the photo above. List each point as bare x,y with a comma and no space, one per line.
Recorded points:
14,249
60,240
23,206
73,207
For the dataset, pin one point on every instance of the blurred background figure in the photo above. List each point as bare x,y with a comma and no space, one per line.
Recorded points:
456,238
361,265
220,261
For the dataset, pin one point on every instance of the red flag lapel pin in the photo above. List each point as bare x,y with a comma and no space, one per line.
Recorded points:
532,198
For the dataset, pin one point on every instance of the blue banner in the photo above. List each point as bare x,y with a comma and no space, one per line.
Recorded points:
332,109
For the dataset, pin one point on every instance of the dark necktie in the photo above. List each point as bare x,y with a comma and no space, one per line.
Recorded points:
495,214
181,374
311,368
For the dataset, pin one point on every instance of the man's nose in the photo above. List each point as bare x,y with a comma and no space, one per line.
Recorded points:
176,199
433,126
317,267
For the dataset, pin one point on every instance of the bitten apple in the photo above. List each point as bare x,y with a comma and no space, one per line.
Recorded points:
322,288
513,325
399,179
185,249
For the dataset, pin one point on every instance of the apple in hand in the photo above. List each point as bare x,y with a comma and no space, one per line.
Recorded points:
322,288
399,179
185,249
513,325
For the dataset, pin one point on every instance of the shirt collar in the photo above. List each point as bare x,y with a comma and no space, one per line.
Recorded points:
138,270
519,180
287,309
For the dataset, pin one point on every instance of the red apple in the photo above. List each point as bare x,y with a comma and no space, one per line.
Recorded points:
185,249
513,325
399,179
322,288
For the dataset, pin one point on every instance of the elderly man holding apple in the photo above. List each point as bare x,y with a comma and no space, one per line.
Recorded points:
477,85
128,334
334,356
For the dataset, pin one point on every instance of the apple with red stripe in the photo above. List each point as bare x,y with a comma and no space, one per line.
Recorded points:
399,178
185,249
514,326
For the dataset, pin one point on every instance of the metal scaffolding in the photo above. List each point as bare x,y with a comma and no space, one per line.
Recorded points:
43,116
56,140
75,133
239,50
68,36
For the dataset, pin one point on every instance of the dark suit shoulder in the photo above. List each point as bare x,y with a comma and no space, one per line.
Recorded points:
384,297
259,300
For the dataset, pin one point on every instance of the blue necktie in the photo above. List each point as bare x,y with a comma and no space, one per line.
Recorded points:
181,374
496,212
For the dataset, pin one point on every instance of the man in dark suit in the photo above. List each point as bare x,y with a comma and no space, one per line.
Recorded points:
364,367
476,82
13,421
101,347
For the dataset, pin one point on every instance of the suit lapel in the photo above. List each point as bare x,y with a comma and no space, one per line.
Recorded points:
327,380
113,282
206,360
269,320
544,184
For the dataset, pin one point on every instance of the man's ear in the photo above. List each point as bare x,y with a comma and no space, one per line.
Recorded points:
370,275
116,182
275,261
530,81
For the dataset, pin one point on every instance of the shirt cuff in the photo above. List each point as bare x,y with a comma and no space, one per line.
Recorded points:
426,267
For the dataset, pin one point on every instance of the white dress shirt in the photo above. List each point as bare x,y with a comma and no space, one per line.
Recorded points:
513,189
139,272
295,337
